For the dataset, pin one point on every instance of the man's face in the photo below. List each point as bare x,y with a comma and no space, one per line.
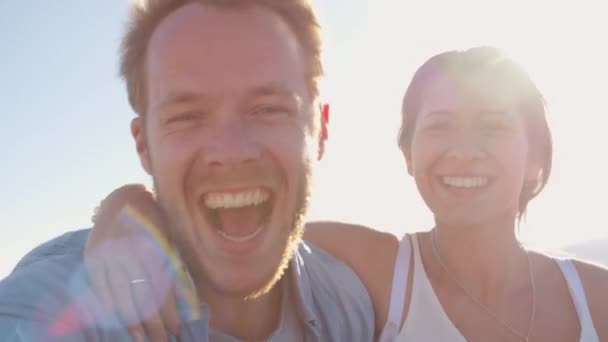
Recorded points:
227,139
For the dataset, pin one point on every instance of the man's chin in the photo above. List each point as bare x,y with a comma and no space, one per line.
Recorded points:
270,282
236,284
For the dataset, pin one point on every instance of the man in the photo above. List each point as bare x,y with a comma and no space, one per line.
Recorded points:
228,125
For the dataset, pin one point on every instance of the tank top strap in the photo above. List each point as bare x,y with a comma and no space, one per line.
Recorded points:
577,292
398,291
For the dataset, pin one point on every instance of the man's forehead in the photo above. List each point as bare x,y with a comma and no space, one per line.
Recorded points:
212,27
186,55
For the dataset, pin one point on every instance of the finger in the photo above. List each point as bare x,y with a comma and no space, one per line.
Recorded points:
155,329
148,287
159,270
137,334
96,270
187,298
148,310
101,288
162,281
169,313
120,286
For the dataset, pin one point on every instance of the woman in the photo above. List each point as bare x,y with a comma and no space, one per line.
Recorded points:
476,141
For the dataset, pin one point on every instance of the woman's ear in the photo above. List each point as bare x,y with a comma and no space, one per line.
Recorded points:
534,170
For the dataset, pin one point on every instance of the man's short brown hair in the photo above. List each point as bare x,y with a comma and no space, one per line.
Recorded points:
146,15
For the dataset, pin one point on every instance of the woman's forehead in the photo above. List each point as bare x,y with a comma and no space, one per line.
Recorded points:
469,91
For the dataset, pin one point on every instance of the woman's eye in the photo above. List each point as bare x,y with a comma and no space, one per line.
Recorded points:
495,126
437,126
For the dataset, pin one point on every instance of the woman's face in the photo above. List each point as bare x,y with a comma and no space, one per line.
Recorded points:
469,150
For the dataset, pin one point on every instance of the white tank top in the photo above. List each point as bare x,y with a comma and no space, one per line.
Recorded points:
427,321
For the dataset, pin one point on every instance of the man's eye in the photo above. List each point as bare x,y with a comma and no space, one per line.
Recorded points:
183,117
270,111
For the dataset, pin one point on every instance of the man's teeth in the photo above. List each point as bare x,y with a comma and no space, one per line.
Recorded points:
225,200
465,182
240,238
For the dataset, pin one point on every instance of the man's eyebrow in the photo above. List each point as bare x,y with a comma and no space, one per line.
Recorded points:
274,89
178,97
269,89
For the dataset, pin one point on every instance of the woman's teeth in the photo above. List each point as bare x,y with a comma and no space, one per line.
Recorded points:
465,182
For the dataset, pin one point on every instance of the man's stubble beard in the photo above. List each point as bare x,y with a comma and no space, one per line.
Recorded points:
196,269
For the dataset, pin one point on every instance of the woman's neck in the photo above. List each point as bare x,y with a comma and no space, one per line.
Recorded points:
486,259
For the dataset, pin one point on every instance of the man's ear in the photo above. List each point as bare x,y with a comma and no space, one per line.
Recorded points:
137,131
323,132
407,155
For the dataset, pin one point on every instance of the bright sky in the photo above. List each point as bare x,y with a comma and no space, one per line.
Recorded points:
65,140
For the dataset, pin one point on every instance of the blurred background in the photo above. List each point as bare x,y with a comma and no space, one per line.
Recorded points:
65,141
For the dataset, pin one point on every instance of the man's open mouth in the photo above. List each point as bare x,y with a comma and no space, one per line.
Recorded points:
238,216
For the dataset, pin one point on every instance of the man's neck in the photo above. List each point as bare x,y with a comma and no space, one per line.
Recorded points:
251,319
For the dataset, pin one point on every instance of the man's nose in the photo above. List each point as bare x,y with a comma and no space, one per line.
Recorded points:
231,145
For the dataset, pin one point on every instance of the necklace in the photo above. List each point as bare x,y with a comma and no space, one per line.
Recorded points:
506,326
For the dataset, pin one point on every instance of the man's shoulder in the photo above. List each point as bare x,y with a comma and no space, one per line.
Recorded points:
47,296
337,294
332,277
70,244
40,281
331,270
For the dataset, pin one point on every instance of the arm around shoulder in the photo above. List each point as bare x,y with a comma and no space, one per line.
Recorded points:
370,253
358,246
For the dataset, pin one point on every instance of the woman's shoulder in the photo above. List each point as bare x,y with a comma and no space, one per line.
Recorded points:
593,276
594,279
589,272
595,283
592,273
